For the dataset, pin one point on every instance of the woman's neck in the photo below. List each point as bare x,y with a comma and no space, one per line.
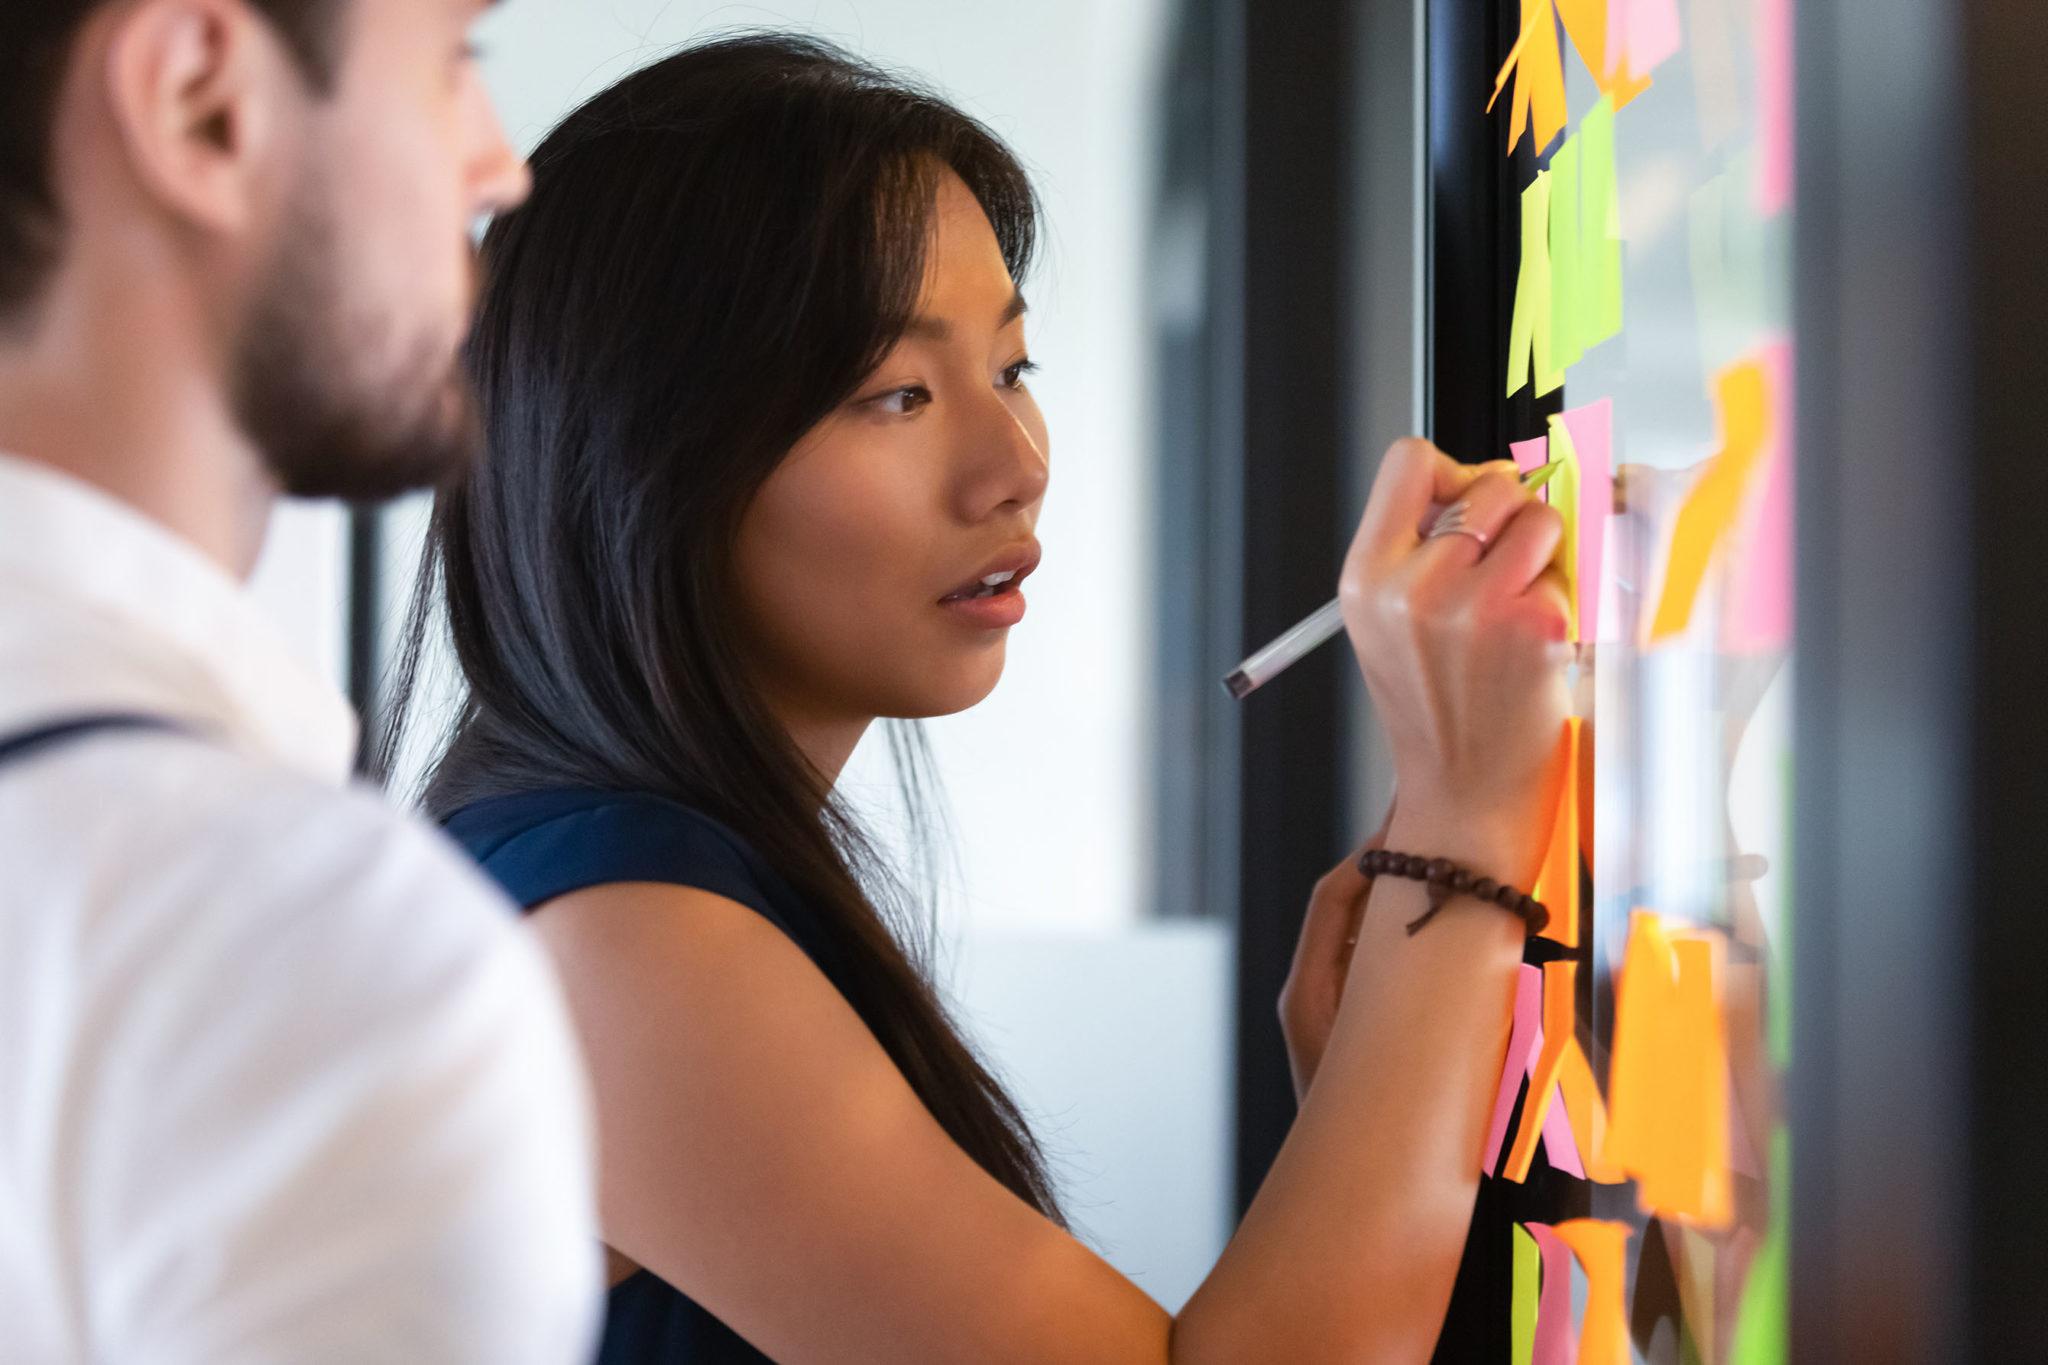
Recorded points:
826,741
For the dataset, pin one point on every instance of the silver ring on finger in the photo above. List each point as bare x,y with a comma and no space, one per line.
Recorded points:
1452,523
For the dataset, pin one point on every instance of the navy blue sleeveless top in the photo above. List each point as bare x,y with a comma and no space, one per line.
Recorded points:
540,845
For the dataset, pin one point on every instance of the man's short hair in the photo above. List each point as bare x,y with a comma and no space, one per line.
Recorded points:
36,38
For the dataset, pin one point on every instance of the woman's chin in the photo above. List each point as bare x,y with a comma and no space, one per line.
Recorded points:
946,696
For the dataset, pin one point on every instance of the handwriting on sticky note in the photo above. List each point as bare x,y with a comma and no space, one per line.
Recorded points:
1743,397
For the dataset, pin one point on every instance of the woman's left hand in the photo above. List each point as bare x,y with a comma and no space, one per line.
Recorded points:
1322,959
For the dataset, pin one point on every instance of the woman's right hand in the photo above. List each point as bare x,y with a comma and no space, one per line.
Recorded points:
1462,641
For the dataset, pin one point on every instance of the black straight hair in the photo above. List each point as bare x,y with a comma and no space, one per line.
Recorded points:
717,251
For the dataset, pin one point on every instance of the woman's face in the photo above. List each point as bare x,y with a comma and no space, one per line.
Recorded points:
861,560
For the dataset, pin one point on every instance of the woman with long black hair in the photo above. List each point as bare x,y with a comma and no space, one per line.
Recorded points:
764,467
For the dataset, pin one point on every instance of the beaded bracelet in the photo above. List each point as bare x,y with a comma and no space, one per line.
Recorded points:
1446,879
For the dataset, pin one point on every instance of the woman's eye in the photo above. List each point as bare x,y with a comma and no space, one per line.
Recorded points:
1014,376
902,402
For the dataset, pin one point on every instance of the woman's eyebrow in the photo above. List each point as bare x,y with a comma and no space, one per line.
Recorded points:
928,328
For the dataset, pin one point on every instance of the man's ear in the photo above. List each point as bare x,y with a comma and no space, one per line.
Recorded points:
200,94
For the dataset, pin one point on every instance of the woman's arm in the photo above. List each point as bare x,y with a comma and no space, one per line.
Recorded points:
760,1151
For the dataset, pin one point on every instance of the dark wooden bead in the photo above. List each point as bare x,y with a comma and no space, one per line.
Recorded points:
1418,867
1486,888
1438,870
1461,880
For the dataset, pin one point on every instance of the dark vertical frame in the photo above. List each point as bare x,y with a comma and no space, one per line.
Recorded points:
365,615
1281,190
1918,1083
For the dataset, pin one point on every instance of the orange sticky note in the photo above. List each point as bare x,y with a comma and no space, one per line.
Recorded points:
1668,1082
1710,509
1587,1115
1557,885
1588,24
1538,71
1602,1248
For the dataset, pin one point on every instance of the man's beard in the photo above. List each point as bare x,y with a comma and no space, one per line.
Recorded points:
305,394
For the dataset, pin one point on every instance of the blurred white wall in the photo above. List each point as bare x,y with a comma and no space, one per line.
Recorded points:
1115,1029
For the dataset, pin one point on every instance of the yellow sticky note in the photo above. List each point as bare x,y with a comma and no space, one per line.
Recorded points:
1602,1249
1743,396
1529,330
1538,71
1557,885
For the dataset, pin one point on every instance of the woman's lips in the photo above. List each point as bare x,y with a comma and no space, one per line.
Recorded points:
997,611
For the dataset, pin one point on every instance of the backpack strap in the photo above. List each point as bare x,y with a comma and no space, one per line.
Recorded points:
19,746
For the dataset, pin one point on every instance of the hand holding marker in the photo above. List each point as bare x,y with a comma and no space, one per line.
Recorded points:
1298,642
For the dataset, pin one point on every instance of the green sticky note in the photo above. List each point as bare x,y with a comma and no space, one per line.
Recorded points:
1599,226
1564,496
1529,331
1567,276
1522,1310
1762,1334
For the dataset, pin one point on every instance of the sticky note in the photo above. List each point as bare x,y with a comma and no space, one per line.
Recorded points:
1586,1114
1530,456
1710,509
1642,32
1556,1340
1601,1248
1668,1083
1529,329
1761,1337
1564,496
1773,105
1589,23
1560,980
1557,883
1538,71
1599,227
1522,1307
1525,1037
1561,1145
1567,290
1591,429
1759,618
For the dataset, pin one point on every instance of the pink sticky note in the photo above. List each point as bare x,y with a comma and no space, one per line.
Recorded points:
1555,1340
1592,432
1646,30
1774,105
1525,1040
1560,1148
1762,617
1532,455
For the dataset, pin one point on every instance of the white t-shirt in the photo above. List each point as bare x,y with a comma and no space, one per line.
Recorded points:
282,1079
